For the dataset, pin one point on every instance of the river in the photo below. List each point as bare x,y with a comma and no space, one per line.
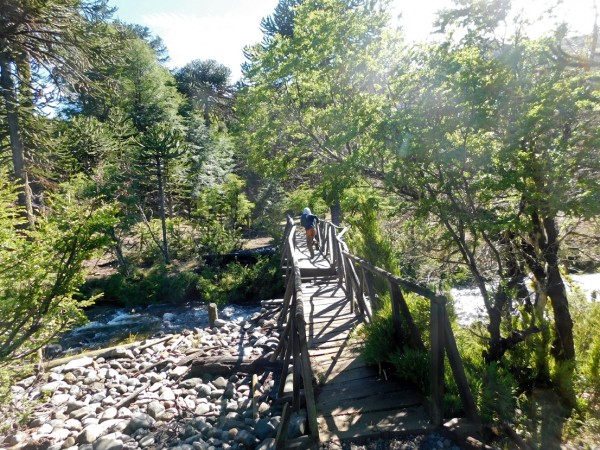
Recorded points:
469,307
109,325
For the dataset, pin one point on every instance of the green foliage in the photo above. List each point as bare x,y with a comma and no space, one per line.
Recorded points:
412,365
237,283
369,239
496,401
42,269
586,318
377,337
157,285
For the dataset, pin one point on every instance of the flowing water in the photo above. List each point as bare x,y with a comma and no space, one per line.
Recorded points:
110,326
469,307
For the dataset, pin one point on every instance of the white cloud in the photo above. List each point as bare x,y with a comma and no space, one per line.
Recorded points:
217,37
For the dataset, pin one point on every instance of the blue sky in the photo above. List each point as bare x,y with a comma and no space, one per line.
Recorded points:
200,29
220,29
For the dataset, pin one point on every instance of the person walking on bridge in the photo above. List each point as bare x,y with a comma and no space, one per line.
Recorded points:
309,222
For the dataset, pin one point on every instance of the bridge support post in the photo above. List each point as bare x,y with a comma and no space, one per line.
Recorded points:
437,361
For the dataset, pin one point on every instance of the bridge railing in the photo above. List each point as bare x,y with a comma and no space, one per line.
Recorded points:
293,344
357,277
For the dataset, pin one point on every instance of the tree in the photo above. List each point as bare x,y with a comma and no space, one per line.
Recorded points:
311,96
206,85
491,136
160,144
42,269
40,37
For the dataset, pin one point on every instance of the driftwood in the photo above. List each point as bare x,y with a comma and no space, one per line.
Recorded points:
104,352
226,365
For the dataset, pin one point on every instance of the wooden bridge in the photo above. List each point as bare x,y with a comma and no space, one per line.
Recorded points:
326,299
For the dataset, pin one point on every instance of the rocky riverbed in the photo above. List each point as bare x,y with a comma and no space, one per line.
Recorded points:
146,396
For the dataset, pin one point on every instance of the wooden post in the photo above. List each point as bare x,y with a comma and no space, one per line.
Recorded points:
437,363
368,277
296,367
348,283
286,300
399,306
255,397
307,374
395,296
283,427
212,314
466,396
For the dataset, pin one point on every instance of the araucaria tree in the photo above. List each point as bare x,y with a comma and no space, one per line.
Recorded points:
39,40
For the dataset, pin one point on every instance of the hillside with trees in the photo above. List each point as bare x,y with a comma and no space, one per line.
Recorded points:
473,159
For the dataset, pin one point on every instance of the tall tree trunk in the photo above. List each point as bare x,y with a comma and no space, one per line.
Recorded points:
336,211
16,141
163,220
564,347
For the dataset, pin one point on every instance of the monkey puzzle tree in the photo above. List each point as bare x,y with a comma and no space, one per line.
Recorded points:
160,144
37,39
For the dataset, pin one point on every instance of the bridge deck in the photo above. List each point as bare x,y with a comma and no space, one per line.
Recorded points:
354,401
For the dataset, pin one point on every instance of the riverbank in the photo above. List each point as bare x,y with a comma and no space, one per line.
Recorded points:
142,396
167,392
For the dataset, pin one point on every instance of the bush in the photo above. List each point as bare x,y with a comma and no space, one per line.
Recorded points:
237,283
157,285
42,269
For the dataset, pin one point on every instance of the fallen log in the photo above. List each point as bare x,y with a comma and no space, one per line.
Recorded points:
227,365
104,352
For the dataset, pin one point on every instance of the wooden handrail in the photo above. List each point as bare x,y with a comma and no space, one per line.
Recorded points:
359,286
441,336
293,344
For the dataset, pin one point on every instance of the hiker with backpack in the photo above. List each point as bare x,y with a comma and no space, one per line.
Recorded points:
309,222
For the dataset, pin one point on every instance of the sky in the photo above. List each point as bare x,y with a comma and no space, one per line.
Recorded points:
220,29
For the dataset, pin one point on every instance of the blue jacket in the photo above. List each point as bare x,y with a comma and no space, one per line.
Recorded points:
308,221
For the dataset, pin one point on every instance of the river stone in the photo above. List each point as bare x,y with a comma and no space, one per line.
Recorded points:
119,352
220,323
124,413
220,383
178,372
108,414
79,414
217,393
139,421
247,439
202,409
78,363
73,424
69,442
60,399
297,426
73,406
70,378
204,390
60,434
155,408
190,383
267,444
147,441
52,386
90,433
200,445
265,429
108,444
167,394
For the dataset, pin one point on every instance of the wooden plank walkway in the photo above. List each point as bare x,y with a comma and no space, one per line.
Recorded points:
354,401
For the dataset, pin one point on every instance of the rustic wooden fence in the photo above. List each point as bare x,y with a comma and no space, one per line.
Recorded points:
358,277
293,344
